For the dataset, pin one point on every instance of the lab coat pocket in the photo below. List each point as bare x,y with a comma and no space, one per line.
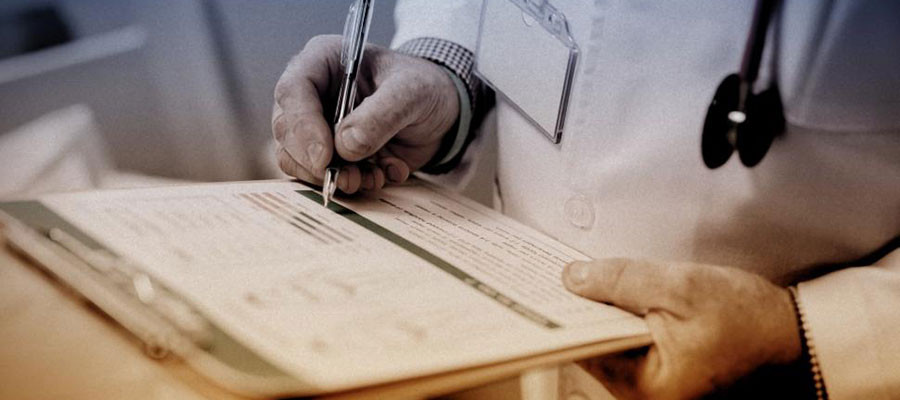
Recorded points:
848,80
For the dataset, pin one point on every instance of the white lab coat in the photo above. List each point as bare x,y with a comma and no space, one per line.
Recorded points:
627,179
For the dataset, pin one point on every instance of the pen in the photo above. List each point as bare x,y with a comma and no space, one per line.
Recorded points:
356,30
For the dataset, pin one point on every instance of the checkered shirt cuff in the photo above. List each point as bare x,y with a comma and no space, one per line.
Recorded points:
458,59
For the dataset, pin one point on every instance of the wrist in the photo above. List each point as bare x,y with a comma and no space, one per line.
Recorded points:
458,63
789,337
454,139
788,373
807,360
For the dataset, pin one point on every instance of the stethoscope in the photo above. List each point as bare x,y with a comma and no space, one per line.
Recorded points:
737,118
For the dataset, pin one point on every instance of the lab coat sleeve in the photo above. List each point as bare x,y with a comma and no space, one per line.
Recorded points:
853,317
453,20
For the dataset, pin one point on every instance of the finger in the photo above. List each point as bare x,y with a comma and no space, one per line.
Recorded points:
618,373
301,126
291,167
292,139
316,67
395,105
308,141
278,123
634,285
378,173
395,169
349,179
368,176
372,177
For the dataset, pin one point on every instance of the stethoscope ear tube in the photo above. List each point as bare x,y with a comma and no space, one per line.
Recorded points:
737,118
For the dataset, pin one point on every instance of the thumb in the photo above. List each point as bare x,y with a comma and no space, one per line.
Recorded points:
633,285
393,106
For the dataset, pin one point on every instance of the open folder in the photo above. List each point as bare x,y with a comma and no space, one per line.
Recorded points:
267,292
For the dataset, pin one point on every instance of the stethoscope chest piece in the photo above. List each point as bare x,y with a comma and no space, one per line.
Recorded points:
737,118
765,121
716,146
740,120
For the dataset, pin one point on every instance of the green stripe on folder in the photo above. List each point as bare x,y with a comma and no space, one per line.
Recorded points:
42,219
434,260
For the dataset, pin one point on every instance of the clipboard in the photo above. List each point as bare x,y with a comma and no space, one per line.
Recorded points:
168,324
527,54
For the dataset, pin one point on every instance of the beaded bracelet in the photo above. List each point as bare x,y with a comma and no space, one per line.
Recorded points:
807,347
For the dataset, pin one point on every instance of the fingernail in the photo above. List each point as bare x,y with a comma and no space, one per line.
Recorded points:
393,173
577,273
355,141
314,152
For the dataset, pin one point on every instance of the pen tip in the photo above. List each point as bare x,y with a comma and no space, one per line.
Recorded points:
330,184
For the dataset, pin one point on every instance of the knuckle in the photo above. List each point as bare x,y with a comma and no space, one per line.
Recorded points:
619,271
286,163
306,127
691,278
320,42
318,49
277,112
314,43
278,130
302,126
290,166
283,89
688,281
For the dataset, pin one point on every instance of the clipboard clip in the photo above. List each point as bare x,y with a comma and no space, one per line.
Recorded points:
161,320
164,322
177,313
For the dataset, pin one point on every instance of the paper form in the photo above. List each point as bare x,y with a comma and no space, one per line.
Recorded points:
396,284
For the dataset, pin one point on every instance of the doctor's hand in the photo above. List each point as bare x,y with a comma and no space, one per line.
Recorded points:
710,325
407,106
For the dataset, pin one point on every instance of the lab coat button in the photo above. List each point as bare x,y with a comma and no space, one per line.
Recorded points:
579,211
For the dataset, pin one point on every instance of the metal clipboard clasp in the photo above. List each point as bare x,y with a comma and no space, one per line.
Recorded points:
163,320
527,54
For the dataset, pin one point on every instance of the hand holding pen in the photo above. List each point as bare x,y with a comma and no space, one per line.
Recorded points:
407,105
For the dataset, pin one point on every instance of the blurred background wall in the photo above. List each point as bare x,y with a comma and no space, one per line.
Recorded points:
179,88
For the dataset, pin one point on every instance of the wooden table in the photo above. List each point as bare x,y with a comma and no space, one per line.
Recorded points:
53,345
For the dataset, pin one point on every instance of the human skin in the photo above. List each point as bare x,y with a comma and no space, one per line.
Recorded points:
407,106
711,325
